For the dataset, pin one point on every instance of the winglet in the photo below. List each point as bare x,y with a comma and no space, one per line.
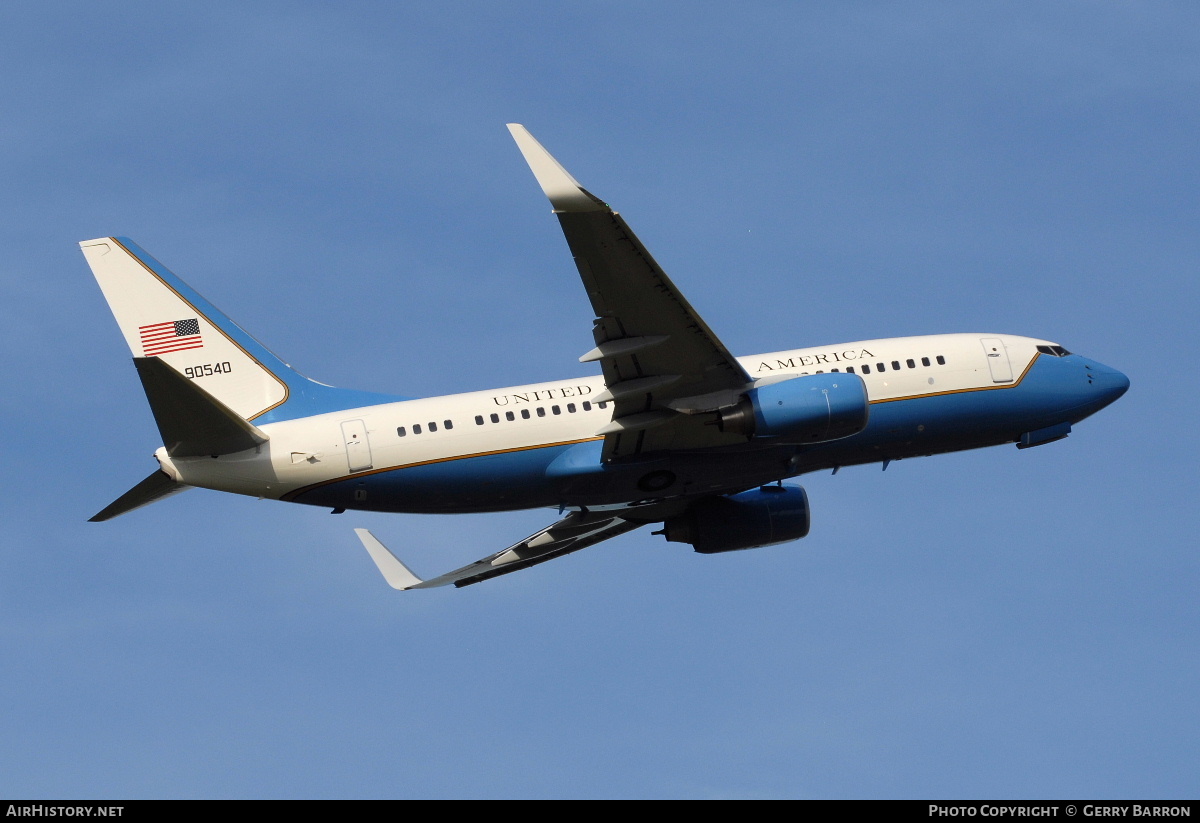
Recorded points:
564,191
397,575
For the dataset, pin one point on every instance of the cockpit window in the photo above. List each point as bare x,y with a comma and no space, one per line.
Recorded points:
1053,351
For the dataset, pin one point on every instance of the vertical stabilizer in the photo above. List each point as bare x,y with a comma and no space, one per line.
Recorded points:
163,317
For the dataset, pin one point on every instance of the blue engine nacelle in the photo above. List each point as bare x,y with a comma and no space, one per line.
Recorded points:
759,517
809,409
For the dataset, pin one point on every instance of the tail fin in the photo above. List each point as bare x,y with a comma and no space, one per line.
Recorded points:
163,317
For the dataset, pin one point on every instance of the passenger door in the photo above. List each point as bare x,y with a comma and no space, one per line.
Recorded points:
358,448
997,358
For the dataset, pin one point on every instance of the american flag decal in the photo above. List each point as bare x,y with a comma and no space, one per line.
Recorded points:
175,335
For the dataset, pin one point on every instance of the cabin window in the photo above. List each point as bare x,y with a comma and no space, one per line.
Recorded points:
587,405
449,424
571,408
880,367
509,416
479,420
524,414
850,369
912,364
541,411
833,370
556,410
417,428
433,427
866,369
603,404
941,360
924,361
895,365
400,431
495,417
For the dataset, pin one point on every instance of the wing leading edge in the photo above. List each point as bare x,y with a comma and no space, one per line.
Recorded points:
663,366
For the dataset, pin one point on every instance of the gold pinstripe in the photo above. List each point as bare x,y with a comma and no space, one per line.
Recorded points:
1012,385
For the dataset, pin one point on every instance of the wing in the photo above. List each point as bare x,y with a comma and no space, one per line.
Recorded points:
576,531
663,366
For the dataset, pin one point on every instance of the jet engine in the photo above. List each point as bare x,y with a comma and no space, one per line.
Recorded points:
759,517
809,409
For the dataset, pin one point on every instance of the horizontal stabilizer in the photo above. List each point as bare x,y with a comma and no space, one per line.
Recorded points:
155,487
191,421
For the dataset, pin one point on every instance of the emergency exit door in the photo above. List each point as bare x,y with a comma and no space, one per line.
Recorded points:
358,448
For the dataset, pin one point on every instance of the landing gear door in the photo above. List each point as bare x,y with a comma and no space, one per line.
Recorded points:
997,358
358,448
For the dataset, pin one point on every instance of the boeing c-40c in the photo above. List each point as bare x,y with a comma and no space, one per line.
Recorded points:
676,431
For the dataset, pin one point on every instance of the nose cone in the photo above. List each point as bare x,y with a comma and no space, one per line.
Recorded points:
1109,383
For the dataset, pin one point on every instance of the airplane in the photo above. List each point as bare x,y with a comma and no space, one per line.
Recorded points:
674,431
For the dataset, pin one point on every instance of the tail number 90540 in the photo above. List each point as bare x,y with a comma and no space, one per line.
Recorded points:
208,369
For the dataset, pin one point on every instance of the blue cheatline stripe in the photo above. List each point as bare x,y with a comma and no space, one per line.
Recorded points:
494,481
305,397
520,451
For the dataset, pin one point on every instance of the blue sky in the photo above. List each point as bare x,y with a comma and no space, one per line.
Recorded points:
340,182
